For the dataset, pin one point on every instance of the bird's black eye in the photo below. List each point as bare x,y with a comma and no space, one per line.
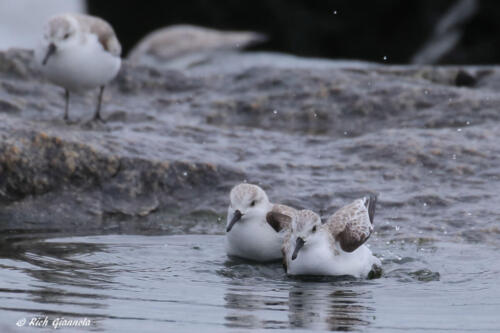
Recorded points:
66,36
252,203
314,229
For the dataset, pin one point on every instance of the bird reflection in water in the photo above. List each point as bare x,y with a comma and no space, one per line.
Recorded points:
335,305
329,306
249,309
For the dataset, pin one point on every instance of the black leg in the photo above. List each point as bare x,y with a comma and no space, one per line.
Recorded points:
97,115
66,108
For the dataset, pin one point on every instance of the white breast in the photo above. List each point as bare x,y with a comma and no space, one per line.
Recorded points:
80,67
254,240
320,259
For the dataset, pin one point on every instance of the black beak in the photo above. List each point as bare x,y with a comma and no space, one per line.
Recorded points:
50,51
236,217
298,245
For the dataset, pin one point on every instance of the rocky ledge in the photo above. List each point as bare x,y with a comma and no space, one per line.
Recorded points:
313,133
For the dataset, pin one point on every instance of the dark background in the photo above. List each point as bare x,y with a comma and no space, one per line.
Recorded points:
367,30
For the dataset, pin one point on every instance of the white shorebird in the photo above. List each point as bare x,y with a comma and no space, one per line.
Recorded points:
335,247
253,230
79,52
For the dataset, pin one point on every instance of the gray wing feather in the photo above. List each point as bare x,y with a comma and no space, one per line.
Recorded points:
103,30
280,217
351,225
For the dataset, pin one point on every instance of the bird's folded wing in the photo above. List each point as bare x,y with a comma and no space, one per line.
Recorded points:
103,30
280,217
352,225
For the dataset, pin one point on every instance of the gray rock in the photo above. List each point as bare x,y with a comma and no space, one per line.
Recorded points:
313,133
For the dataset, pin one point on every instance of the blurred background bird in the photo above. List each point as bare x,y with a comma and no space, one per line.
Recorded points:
389,31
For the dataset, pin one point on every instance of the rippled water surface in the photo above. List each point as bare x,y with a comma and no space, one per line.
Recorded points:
314,134
185,283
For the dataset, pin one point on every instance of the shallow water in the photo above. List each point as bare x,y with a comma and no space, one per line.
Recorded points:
185,283
312,137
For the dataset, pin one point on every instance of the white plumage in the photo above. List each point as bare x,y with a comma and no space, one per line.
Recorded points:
79,52
251,231
335,247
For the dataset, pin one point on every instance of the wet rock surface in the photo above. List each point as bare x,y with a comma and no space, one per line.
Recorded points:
313,133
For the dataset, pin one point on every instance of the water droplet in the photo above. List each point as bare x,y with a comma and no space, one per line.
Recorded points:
459,130
425,204
426,92
454,156
184,173
345,133
275,111
219,219
467,123
385,58
334,12
315,115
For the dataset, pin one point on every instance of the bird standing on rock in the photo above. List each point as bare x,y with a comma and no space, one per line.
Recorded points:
79,52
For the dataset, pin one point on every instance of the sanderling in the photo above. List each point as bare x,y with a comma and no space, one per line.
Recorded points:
332,248
255,227
187,45
79,52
